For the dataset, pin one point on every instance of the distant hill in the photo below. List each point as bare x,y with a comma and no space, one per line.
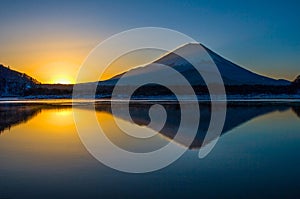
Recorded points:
14,83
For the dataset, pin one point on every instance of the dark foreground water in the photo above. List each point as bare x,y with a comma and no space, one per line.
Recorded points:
257,156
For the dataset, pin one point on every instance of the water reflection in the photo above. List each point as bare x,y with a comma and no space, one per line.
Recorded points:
296,110
238,113
42,156
14,115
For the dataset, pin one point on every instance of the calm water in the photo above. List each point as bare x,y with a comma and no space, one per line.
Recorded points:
257,155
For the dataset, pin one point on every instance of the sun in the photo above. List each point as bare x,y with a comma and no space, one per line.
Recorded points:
61,72
63,80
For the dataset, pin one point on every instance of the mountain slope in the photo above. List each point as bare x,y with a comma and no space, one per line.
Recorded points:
13,83
231,73
297,80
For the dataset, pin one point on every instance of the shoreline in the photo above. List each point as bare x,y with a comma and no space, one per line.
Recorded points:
88,101
230,97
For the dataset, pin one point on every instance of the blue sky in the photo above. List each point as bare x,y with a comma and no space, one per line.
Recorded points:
262,36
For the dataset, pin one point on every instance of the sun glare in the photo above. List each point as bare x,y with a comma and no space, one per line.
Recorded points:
63,80
58,73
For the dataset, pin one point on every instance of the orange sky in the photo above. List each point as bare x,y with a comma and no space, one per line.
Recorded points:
50,61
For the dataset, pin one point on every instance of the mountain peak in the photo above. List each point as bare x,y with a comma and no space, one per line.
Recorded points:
231,73
297,80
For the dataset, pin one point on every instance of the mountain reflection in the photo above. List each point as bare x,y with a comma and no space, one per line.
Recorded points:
237,114
12,115
296,110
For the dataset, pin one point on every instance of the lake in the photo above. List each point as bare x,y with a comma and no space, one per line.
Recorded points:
42,156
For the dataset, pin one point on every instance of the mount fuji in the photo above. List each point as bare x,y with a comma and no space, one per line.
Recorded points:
231,73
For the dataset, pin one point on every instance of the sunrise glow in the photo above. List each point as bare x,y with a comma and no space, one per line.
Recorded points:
61,72
63,80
